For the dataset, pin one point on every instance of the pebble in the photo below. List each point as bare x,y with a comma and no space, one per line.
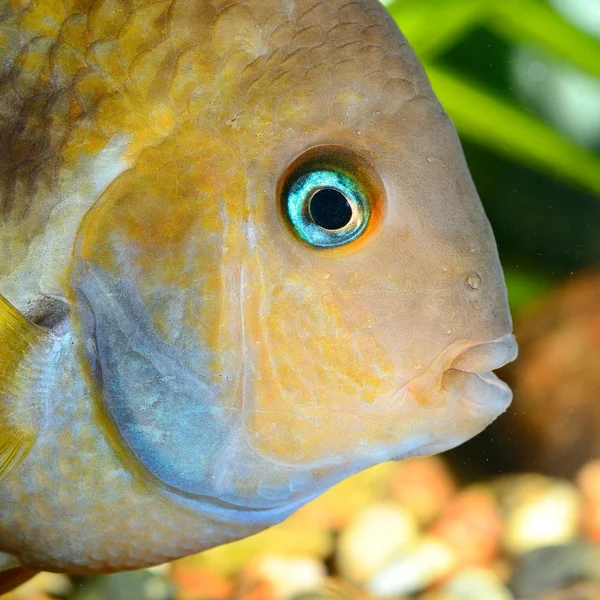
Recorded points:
334,589
377,533
293,537
540,512
414,571
285,576
141,585
586,590
337,507
255,590
195,583
424,485
472,526
588,481
475,583
552,568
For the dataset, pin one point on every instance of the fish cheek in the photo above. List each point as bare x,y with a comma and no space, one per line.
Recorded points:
316,368
315,365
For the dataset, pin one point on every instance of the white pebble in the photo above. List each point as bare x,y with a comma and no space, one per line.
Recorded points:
475,583
291,576
547,516
376,534
163,570
414,571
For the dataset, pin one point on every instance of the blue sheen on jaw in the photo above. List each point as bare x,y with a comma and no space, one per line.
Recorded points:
168,416
187,433
297,208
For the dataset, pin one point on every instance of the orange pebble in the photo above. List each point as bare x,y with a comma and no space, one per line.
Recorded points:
588,481
201,583
424,485
256,590
471,524
590,522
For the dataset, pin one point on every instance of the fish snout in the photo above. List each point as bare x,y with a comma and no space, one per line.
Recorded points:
464,372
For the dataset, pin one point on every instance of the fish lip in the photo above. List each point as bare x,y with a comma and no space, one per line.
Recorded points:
473,358
475,366
481,358
498,394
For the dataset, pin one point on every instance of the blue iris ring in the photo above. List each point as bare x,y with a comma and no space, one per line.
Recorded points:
298,207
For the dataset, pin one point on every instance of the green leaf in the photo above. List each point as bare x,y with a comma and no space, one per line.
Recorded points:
433,26
524,287
533,22
509,130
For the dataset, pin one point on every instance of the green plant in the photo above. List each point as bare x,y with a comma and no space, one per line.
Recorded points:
505,125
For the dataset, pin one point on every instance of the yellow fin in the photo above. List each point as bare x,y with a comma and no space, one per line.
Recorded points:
18,337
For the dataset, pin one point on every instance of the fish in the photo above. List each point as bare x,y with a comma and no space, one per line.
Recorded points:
243,258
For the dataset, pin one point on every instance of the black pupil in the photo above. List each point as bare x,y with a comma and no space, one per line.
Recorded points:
330,209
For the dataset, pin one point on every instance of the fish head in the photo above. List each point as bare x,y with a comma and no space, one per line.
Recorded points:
297,285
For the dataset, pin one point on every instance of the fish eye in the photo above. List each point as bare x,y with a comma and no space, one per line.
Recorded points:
328,200
327,208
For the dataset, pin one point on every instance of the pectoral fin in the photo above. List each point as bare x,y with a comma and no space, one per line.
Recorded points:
18,425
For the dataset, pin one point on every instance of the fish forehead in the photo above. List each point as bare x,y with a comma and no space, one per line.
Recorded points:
254,74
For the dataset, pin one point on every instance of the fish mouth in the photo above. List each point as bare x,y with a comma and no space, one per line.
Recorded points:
471,374
462,373
465,371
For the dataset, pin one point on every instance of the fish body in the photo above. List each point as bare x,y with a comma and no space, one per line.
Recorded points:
242,259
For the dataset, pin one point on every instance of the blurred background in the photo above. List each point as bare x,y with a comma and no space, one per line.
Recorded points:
515,513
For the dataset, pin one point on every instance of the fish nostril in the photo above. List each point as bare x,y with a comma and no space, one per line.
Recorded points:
474,281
